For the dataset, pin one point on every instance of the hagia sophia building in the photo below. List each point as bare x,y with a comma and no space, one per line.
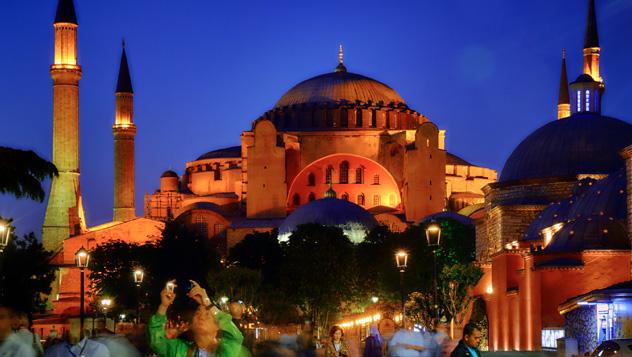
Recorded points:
344,149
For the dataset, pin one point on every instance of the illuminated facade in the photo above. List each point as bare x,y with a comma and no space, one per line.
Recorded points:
555,225
338,132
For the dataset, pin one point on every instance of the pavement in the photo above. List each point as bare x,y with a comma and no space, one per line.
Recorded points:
519,354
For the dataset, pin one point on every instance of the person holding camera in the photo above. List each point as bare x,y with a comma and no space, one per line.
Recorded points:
337,347
207,321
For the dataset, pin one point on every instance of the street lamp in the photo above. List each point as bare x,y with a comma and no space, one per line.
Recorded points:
433,236
139,275
401,259
375,299
5,234
106,303
82,258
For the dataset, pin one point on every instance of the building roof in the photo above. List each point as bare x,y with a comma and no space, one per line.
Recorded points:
229,152
340,87
447,215
169,173
124,83
451,159
585,143
353,219
596,220
66,12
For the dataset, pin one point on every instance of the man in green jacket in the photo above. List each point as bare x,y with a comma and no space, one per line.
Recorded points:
206,323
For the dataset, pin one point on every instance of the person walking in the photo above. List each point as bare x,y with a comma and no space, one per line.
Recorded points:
337,347
468,346
22,325
10,344
373,343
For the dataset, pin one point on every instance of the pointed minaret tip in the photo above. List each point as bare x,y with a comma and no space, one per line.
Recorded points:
66,12
124,83
341,67
591,37
564,100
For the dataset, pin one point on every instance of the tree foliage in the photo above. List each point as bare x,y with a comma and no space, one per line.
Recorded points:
23,172
26,274
456,282
237,283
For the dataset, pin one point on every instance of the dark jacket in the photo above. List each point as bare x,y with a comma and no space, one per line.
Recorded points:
461,350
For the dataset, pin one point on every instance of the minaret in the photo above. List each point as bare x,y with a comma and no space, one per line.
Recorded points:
64,213
124,131
591,45
563,101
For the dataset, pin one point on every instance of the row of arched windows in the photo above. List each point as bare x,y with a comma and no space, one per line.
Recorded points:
343,176
392,118
360,199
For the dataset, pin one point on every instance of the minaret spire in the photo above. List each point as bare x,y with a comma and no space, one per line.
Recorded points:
341,67
563,101
66,12
592,50
124,131
124,83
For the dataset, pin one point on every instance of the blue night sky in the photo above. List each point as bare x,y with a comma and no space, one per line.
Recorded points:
485,71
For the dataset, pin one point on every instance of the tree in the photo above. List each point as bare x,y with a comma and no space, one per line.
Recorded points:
23,172
319,271
237,283
261,252
111,273
26,274
456,282
420,308
180,254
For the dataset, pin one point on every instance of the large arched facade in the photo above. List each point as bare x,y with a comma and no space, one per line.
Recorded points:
354,178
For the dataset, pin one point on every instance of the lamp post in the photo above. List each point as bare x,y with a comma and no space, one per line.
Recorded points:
433,236
139,275
401,259
105,305
82,258
5,234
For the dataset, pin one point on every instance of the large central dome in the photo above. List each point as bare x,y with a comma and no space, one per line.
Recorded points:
339,88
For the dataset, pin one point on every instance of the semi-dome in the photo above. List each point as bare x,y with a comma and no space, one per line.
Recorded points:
224,153
585,143
339,88
354,220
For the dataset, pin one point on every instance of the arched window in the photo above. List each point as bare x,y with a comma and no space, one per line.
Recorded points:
201,225
344,118
358,116
311,180
329,173
373,119
359,175
587,100
376,179
376,200
344,172
329,119
296,200
311,197
345,196
360,200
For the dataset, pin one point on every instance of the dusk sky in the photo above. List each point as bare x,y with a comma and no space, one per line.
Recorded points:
485,71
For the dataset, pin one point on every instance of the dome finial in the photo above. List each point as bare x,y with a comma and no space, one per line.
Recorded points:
341,67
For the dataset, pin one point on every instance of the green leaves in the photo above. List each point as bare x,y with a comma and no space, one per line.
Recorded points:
23,172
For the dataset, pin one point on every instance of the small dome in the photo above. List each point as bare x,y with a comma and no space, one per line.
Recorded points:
584,78
169,173
585,143
354,220
340,87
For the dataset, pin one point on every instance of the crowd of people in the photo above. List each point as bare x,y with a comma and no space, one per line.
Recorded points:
211,332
